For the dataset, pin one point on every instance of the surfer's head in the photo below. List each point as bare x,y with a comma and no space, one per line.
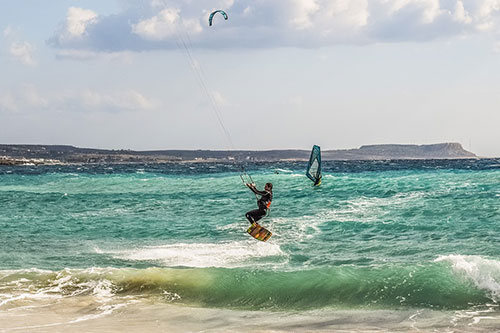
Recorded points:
268,187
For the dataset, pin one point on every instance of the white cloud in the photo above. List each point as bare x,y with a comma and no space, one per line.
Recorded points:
124,57
428,10
126,100
7,32
18,49
487,15
277,23
488,7
164,25
24,52
25,97
159,26
77,21
304,10
75,28
220,99
461,15
7,102
29,99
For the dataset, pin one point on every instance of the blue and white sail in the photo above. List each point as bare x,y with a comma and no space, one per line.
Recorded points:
313,171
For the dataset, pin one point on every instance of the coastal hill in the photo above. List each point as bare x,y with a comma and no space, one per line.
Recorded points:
56,154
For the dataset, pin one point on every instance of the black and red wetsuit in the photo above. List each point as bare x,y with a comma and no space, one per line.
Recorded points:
264,204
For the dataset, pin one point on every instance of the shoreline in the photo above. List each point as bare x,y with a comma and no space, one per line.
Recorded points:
93,314
9,161
56,154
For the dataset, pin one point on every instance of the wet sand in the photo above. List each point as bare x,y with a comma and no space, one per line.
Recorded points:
85,314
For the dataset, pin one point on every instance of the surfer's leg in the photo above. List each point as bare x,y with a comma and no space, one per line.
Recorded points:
250,215
255,215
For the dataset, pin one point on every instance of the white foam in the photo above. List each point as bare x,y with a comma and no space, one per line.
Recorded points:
170,296
297,175
484,273
230,254
476,320
369,209
102,289
303,227
475,315
105,310
65,283
283,170
22,289
7,272
27,296
98,250
232,226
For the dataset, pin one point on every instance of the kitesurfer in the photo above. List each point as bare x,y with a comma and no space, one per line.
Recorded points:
264,202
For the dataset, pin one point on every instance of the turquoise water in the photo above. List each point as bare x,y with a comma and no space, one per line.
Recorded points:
374,235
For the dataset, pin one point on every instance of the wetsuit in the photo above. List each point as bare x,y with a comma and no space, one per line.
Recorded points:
264,203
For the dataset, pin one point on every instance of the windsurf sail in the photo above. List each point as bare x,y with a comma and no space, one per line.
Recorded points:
313,171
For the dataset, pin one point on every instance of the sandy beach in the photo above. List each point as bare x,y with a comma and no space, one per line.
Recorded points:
84,314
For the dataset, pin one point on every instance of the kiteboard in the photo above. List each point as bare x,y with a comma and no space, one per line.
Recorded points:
259,232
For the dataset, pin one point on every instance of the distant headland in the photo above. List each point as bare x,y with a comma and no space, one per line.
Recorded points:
62,154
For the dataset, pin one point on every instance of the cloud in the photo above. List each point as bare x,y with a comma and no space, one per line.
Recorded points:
461,15
77,22
24,52
279,23
25,97
19,50
158,27
28,98
123,57
7,32
119,101
305,10
219,99
496,47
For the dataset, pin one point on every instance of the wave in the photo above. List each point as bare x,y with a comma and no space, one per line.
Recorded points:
199,255
484,273
451,282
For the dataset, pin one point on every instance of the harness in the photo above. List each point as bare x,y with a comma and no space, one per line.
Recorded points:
268,204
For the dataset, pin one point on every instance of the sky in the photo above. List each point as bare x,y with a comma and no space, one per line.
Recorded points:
281,74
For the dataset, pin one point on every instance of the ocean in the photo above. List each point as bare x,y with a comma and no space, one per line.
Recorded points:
394,245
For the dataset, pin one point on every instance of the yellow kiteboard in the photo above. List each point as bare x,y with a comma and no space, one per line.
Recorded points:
259,232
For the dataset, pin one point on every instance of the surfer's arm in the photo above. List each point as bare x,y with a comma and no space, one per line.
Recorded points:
260,192
256,191
251,187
